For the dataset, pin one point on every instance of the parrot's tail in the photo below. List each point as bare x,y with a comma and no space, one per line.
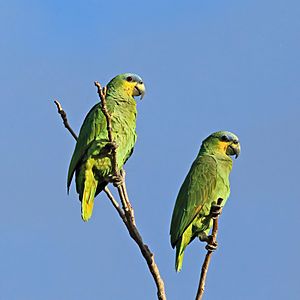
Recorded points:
87,201
179,256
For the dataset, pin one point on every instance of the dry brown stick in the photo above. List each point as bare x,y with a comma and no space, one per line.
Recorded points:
121,188
129,213
102,95
64,118
137,238
115,203
207,259
124,190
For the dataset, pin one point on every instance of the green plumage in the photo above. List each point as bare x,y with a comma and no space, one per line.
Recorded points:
91,162
207,180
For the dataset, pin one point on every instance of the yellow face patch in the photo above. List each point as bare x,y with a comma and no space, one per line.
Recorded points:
128,87
222,146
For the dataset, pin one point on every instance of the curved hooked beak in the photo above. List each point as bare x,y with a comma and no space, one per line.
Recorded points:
139,90
234,149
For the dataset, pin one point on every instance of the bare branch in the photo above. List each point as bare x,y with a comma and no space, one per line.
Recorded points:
207,259
129,219
128,214
126,198
64,118
115,203
102,95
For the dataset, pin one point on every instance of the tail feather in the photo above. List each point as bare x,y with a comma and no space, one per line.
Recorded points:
87,201
181,244
180,247
179,258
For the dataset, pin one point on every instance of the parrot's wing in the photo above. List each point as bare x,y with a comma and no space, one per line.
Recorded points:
93,124
195,191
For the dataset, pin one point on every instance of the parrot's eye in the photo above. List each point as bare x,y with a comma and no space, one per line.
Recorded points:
129,78
224,138
235,142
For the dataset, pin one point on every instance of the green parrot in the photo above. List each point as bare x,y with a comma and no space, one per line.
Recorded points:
91,161
206,182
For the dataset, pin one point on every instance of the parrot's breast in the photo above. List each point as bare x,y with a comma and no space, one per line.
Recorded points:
223,185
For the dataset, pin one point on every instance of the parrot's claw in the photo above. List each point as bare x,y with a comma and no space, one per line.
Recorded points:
215,211
117,180
211,244
111,146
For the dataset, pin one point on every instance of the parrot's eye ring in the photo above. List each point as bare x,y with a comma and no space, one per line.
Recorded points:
129,78
224,138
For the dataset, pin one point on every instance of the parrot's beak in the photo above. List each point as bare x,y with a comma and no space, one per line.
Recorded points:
234,149
139,90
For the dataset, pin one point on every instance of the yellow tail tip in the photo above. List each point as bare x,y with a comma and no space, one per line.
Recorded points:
178,266
84,218
86,211
178,263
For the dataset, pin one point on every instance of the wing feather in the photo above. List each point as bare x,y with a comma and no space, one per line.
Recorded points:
93,126
196,191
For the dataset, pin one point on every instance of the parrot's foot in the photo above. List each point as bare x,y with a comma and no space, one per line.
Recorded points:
111,146
211,244
215,211
117,180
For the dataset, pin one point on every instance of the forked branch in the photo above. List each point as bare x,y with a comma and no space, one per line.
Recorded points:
127,213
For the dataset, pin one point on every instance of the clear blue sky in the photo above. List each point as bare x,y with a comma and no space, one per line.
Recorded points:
208,66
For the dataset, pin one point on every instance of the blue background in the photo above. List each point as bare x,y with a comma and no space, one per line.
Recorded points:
208,66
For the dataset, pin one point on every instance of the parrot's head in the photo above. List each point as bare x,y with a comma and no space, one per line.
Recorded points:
223,142
129,83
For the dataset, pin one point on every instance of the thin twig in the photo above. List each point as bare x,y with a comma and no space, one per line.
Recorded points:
128,210
207,259
126,198
121,187
64,118
102,95
115,203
